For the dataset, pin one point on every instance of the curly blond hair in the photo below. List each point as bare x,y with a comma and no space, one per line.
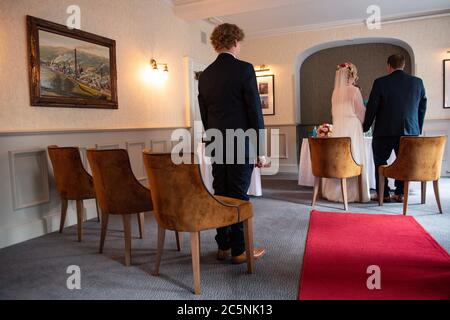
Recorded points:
225,36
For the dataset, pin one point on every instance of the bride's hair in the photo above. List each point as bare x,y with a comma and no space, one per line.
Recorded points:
345,72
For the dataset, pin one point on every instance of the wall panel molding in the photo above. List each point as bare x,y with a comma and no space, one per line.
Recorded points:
135,149
158,146
441,132
283,139
284,149
29,177
84,159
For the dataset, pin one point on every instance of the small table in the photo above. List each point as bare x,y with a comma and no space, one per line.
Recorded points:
206,171
306,178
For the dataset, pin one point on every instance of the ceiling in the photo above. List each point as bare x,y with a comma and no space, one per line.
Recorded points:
260,17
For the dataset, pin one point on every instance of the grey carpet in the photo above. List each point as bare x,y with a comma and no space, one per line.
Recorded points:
36,269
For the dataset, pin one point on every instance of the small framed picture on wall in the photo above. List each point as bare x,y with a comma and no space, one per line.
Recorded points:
266,89
446,83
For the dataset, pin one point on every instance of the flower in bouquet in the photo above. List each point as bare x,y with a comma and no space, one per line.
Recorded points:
325,130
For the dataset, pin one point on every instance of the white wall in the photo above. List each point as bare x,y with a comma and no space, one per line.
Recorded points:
142,29
429,40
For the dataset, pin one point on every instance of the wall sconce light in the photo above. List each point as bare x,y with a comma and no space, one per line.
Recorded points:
155,65
262,68
157,73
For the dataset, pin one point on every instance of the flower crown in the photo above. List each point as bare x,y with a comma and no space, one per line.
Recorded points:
351,69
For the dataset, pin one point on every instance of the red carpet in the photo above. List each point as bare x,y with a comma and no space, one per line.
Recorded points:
341,246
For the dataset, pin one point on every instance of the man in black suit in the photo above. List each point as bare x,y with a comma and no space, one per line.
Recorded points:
397,103
229,99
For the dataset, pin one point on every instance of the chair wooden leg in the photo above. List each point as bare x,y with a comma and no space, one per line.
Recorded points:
360,188
436,194
381,190
104,222
195,252
179,238
64,203
200,243
424,192
405,195
319,193
248,233
316,190
161,238
98,211
127,234
140,217
80,219
344,192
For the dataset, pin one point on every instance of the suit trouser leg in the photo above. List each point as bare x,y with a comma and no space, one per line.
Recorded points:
239,178
398,183
220,187
233,183
382,149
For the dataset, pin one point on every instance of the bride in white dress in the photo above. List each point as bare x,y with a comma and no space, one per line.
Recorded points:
348,115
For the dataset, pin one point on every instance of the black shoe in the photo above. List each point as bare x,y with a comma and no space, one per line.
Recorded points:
399,198
386,199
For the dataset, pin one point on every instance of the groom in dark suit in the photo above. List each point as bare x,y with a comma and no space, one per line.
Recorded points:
397,103
229,99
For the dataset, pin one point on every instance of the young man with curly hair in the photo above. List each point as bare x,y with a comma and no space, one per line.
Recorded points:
229,99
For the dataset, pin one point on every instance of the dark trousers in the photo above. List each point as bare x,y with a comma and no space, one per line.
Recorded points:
382,149
232,180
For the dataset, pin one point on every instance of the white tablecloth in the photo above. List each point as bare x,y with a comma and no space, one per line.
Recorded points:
206,170
306,178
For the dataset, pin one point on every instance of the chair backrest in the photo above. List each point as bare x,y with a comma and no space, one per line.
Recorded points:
419,158
118,191
72,180
180,200
332,158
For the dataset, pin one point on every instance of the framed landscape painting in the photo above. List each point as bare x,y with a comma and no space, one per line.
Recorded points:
266,91
70,67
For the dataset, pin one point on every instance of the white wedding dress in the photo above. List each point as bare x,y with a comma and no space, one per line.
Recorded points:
348,114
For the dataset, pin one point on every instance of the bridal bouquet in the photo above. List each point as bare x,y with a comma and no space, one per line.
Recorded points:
325,130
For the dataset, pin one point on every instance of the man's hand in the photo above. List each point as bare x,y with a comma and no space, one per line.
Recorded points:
261,162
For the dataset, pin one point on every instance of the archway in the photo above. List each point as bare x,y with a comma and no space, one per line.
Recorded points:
314,68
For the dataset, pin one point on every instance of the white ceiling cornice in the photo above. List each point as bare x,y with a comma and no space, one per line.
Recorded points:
344,23
266,18
203,9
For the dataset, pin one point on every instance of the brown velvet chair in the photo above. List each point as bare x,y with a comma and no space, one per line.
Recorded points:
72,182
182,203
332,158
119,192
419,159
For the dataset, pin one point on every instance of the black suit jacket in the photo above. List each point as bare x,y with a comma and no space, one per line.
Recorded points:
397,103
228,96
